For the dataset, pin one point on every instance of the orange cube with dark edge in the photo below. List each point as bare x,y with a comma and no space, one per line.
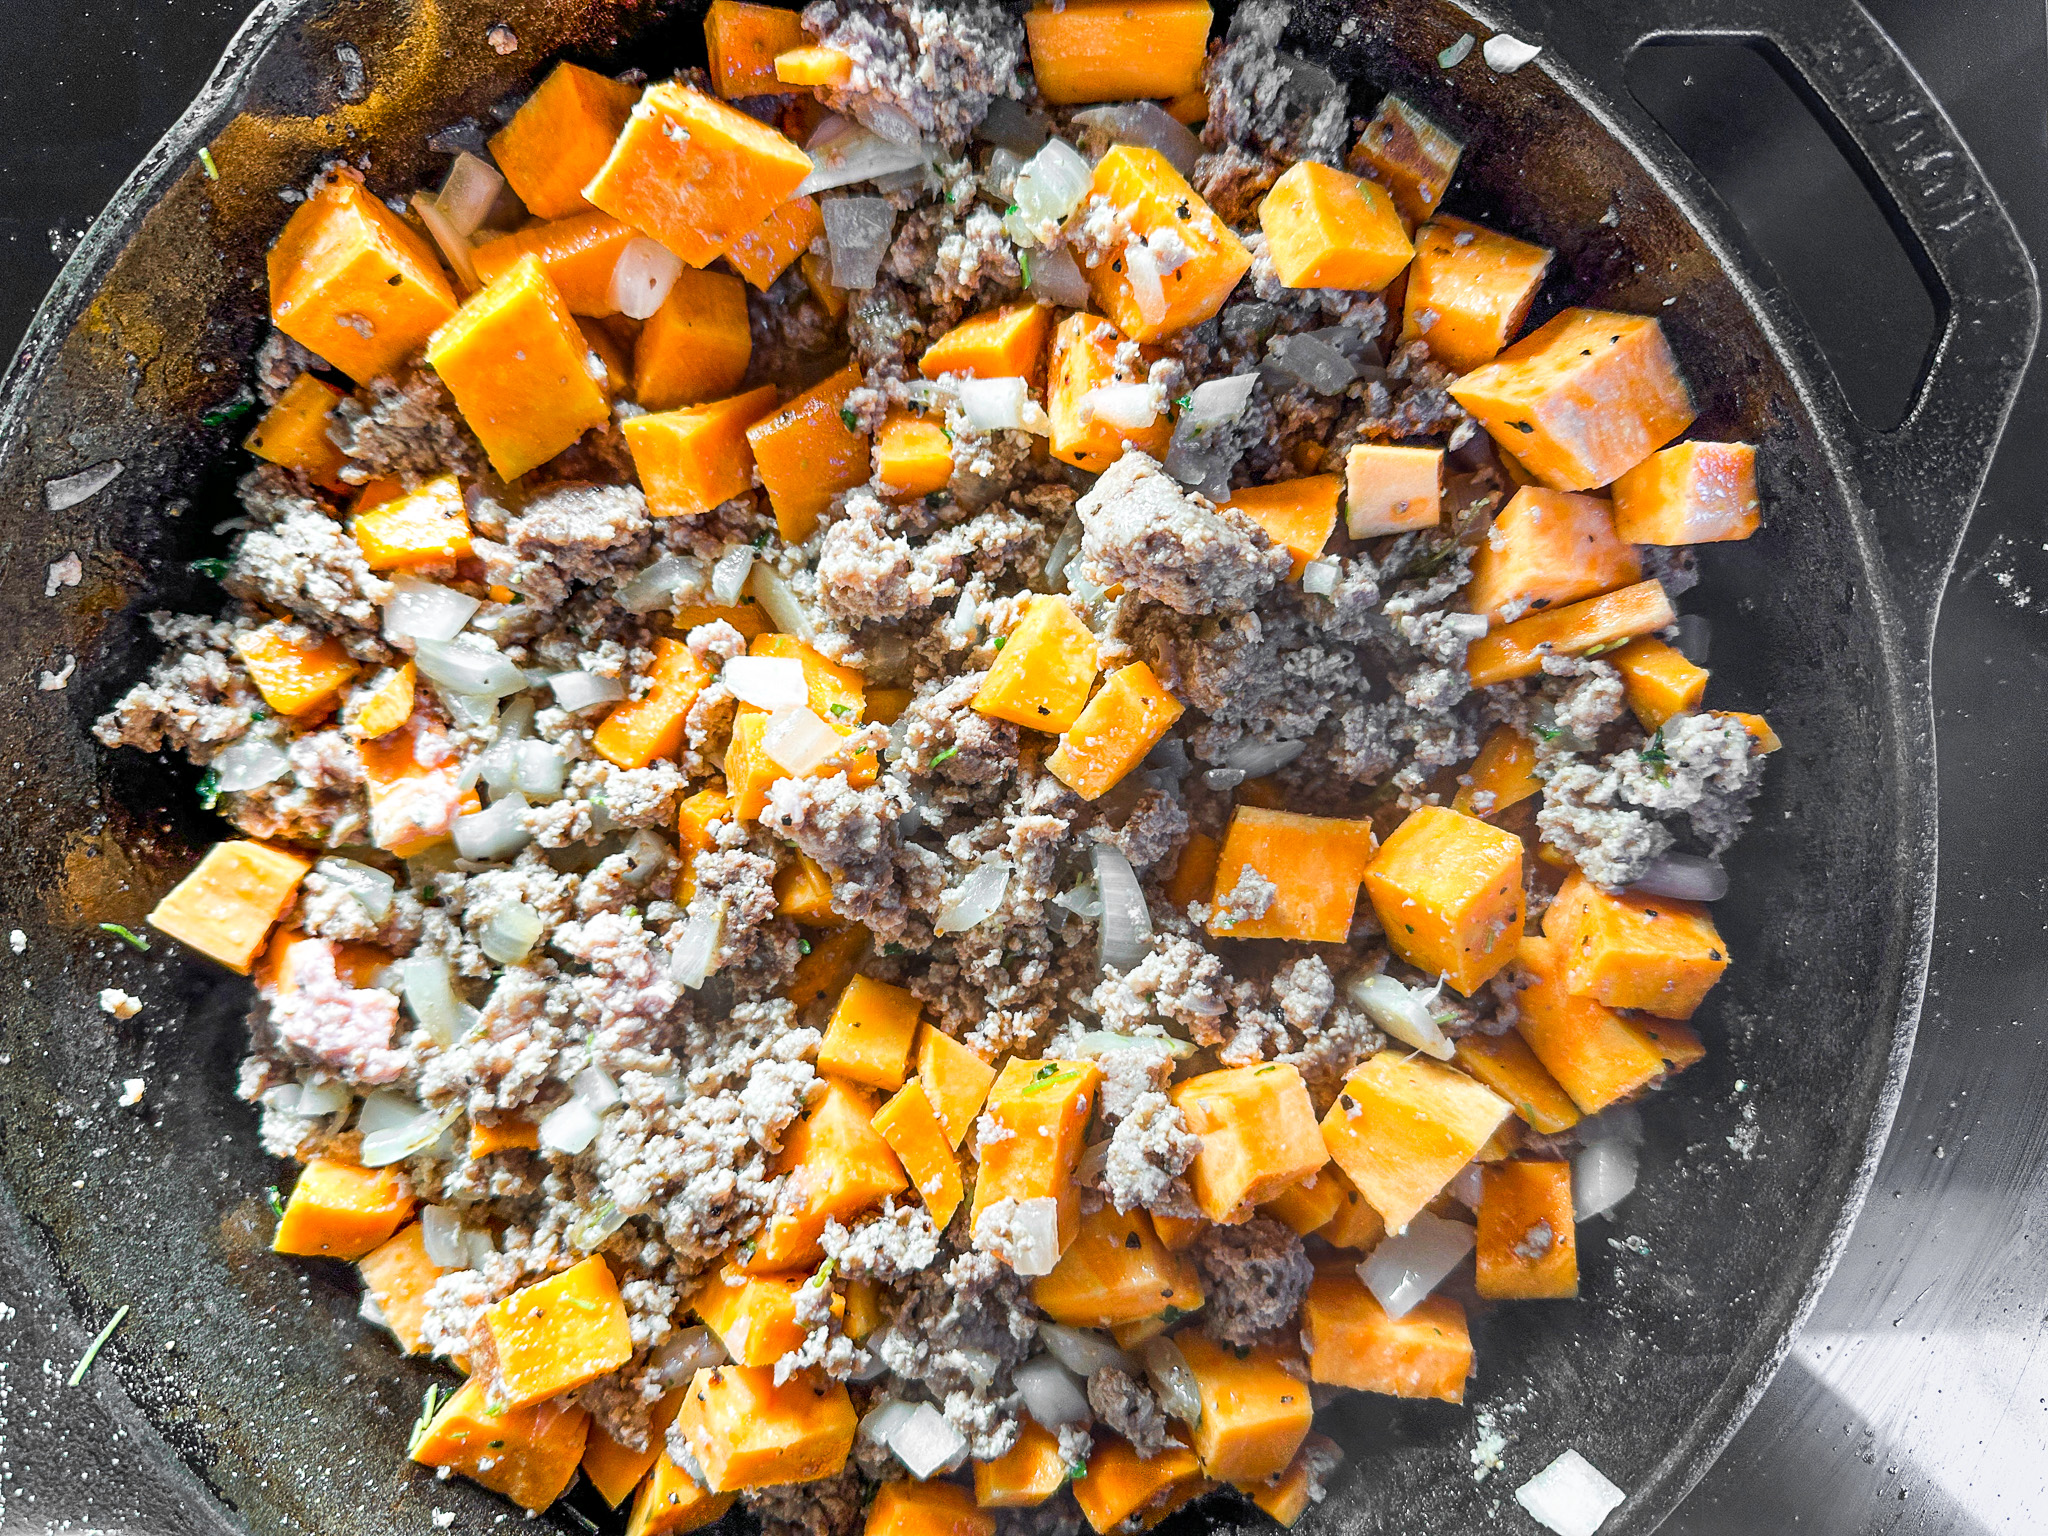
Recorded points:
1635,950
1599,1057
870,1035
530,1455
1546,548
1044,1105
514,361
508,1133
557,1334
1041,677
1005,343
1024,1476
1143,185
913,456
1507,1065
829,965
693,460
1402,1128
1356,1224
1518,649
1255,1407
1120,1483
428,526
1315,863
836,1165
1307,1205
763,253
1087,51
560,136
614,1469
754,1316
1504,772
955,1080
1408,155
293,432
741,42
579,253
1259,1135
1469,291
803,893
1584,399
1658,681
1124,721
747,1432
1194,876
298,671
1298,515
1425,1353
1693,493
1327,229
918,1138
1287,1496
695,347
1764,738
810,451
354,283
1117,1271
745,616
398,1274
227,906
340,1211
640,730
926,1509
1084,349
1528,1245
814,66
1448,890
694,173
670,1502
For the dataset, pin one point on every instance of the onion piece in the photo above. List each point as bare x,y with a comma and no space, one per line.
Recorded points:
729,575
479,1245
643,277
1056,279
767,682
1259,758
1145,123
1052,1395
1148,290
1465,1187
496,833
384,1147
249,764
541,770
654,587
1172,1380
327,1097
690,964
469,193
927,1443
1049,187
1000,405
1401,1011
1084,900
1571,1496
594,1223
575,691
798,740
1505,53
1064,548
1681,876
1126,919
474,667
67,491
853,153
454,245
1410,1264
569,1128
883,1419
772,591
1619,1122
386,1110
1094,1042
1319,577
1009,124
511,933
373,889
646,853
594,1086
974,900
687,1352
1128,407
1203,451
441,1233
1310,359
1603,1175
425,610
857,233
428,987
1083,1351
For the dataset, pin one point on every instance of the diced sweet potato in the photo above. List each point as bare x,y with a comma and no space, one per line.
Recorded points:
1143,185
1408,155
1402,1128
693,459
1547,548
614,1469
1255,1409
1042,675
837,1165
1298,515
918,1137
1044,1105
1194,876
1356,1224
1307,1205
913,456
817,276
837,693
1448,890
813,66
1084,351
386,707
1353,1343
696,816
803,893
829,965
1635,951
1117,50
1005,343
1469,291
1120,1483
412,806
1327,229
1024,1476
227,906
293,432
1117,1271
1584,399
1315,863
1517,649
514,361
1658,681
1390,489
745,616
298,671
529,1454
863,1308
508,1133
579,253
640,730
670,1502
1258,1130
398,1274
869,1038
754,1316
742,41
695,347
1190,108
926,1509
764,252
1758,727
808,452
557,1334
1504,773
1286,1496
560,136
749,771
1693,493
1528,1246
1506,1065
429,526
1124,721
340,1211
354,283
955,1080
747,1432
1597,1056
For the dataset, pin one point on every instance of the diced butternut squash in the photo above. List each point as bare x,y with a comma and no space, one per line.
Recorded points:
1584,399
1328,229
1258,1130
1390,489
1505,1064
1693,493
863,1313
1194,876
745,616
1124,721
507,1133
1635,951
1120,1483
640,730
1448,890
557,1334
837,693
1599,1057
413,806
1117,1271
1352,1342
749,771
615,1469
837,1165
1547,548
398,1274
1042,675
354,283
429,526
817,275
227,906
579,253
670,1502
926,1509
1599,623
1255,1410
1469,291
1402,1128
1005,343
742,42
1658,681
1408,155
810,451
764,252
1117,50
812,66
869,1038
1315,863
692,460
913,456
693,172
918,1138
1298,515
1504,774
1189,108
528,1454
1143,185
754,1316
298,671
825,971
1024,1476
955,1080
560,136
695,347
1758,727
1528,1245
1356,1224
293,432
747,1432
1044,1106
514,361
1178,1233
803,893
1084,351
1287,1495
340,1211
1308,1205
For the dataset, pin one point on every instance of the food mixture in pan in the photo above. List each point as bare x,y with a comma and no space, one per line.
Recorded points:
951,754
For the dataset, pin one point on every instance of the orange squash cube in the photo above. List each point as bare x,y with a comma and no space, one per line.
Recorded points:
1584,399
398,1274
742,41
918,1138
1517,649
863,1313
693,460
1117,50
293,432
227,906
1528,1245
410,804
1546,548
1042,675
1599,1057
1308,1205
528,1454
1316,863
1125,720
1390,489
745,616
813,66
764,252
926,1509
913,456
1469,291
1505,1064
1117,1271
298,671
1259,1135
508,1133
1408,155
836,1165
337,1210
808,452
670,1503
1658,681
1327,229
956,1081
1693,493
560,136
1634,950
749,771
1084,349
1504,773
1356,1224
556,1334
746,1432
1120,1484
1024,1476
1425,1353
754,1316
816,271
1143,185
1287,1496
1448,890
829,966
803,893
429,526
615,1470
1005,343
695,347
579,253
1402,1128
837,693
1044,1106
870,1035
1298,515
1255,1410
640,730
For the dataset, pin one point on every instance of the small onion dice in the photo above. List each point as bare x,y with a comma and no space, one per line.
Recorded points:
642,279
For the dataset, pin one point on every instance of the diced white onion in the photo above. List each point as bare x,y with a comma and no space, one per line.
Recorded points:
67,491
1466,1187
843,153
884,1418
772,591
1621,1122
857,233
594,1086
1571,1496
386,1110
1203,453
1146,123
702,934
1080,587
1682,876
402,1141
1603,1175
498,766
927,1443
994,405
468,195
495,833
426,610
1048,188
478,1244
1259,758
250,763
284,1098
576,691
1126,919
1052,1395
729,575
1466,626
373,889
1310,359
467,709
1033,1238
1056,278
1320,576
542,771
1093,1042
468,668
1084,900
1220,400
1410,1264
767,682
1172,1380
646,852
642,278
511,933
1148,291
661,581
798,740
1009,124
454,245
1127,407
1504,54
1401,1011
1223,780
441,1234
687,1352
975,899
569,1128
1083,1351
428,987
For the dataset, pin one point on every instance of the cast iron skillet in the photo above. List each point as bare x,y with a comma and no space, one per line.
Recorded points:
287,1414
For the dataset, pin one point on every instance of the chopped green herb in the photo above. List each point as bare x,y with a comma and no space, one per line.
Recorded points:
211,567
852,421
892,949
944,754
1057,1077
1024,263
1657,758
276,1202
1185,401
92,1350
1010,210
1001,641
761,538
747,1250
631,912
579,1517
129,934
840,711
234,410
1077,1471
259,713
948,431
430,1405
209,789
206,164
1546,733
803,946
824,1274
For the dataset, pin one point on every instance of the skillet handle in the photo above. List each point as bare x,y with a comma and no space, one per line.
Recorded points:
1921,478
